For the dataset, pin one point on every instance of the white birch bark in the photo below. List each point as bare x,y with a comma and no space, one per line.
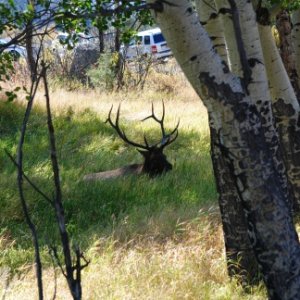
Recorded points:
296,39
239,253
287,52
210,20
280,85
242,140
234,62
286,109
257,82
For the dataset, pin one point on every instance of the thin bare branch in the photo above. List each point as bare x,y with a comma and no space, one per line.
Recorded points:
19,162
73,283
57,259
33,185
54,272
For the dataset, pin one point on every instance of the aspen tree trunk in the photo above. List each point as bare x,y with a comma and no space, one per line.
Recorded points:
31,61
296,40
240,257
101,40
208,15
224,11
287,53
241,261
257,85
254,76
242,141
117,40
285,107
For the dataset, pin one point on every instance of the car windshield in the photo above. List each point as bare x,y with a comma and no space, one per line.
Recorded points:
158,38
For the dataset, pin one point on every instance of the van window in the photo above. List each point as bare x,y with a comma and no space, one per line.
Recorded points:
147,39
158,38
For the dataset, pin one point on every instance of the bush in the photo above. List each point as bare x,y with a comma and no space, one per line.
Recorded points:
103,74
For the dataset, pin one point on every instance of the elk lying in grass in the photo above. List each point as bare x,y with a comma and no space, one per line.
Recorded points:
155,161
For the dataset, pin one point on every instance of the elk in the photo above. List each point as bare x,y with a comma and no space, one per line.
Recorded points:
155,161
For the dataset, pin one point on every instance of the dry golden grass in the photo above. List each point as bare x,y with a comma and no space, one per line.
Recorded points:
191,266
182,102
135,105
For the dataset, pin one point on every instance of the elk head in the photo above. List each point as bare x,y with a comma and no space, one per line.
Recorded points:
155,161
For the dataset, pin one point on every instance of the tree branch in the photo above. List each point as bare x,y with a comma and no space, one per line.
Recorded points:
19,163
247,73
74,283
33,185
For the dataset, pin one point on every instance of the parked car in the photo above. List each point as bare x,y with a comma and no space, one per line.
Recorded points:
81,39
15,50
148,42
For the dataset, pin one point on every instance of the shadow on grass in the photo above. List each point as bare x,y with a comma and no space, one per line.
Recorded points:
85,144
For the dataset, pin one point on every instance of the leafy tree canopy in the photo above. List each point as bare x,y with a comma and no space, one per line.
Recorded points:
71,15
288,4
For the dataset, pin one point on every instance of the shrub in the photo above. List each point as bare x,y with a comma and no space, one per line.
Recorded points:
103,74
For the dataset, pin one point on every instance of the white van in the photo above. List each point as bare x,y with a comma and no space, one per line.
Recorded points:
149,42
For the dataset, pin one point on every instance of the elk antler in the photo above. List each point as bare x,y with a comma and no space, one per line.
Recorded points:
121,132
166,138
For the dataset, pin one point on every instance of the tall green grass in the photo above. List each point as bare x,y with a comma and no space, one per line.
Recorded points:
164,231
86,144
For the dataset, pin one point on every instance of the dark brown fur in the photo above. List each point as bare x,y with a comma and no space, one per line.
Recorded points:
134,169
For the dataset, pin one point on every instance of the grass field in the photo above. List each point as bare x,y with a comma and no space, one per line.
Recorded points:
146,238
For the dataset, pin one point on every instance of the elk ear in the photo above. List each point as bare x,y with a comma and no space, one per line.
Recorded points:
144,153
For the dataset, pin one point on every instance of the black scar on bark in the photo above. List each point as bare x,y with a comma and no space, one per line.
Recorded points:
225,67
158,5
189,11
263,16
219,45
213,16
193,58
241,109
253,61
224,11
294,137
298,121
283,109
222,91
